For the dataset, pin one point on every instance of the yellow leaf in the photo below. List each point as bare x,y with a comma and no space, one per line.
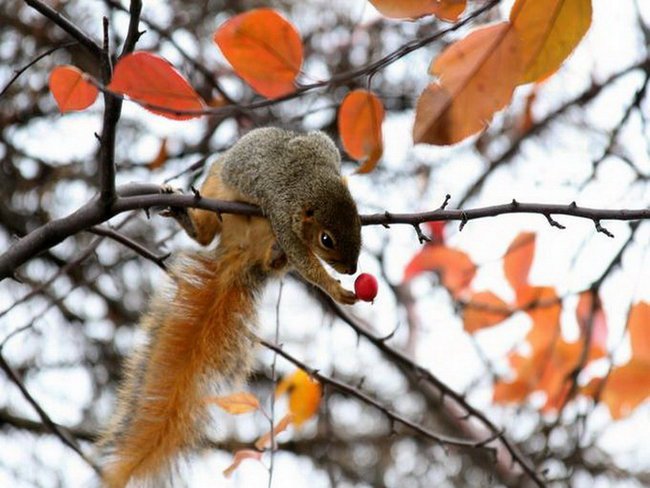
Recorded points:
236,403
304,395
549,31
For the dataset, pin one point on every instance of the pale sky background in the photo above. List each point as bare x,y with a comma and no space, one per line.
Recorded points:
543,172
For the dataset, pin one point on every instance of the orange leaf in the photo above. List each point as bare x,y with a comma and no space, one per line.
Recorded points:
236,403
455,268
161,157
514,392
484,309
70,89
546,370
626,387
360,118
151,80
304,395
638,323
591,316
478,75
518,260
281,426
413,9
239,457
264,49
548,32
544,307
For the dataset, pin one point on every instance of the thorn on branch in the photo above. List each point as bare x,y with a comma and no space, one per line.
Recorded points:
98,137
390,335
573,204
446,202
463,221
602,229
422,238
387,215
147,213
515,203
553,222
197,193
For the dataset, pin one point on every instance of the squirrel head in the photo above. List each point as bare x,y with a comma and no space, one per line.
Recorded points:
332,229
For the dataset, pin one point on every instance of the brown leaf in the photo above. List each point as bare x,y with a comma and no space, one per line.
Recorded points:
161,157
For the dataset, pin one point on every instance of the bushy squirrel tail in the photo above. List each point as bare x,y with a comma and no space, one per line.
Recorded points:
199,334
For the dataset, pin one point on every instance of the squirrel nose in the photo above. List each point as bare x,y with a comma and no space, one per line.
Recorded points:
352,268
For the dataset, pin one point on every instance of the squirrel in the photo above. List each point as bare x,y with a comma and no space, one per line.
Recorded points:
200,329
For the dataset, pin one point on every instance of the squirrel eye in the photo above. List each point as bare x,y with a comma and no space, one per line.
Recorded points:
326,240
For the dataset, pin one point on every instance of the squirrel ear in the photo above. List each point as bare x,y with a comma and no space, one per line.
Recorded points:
307,213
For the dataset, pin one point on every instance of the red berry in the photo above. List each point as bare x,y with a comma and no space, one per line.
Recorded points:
365,286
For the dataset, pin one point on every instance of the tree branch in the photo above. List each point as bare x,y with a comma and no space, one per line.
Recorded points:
143,196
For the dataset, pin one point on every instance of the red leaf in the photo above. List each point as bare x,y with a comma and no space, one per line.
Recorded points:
151,80
455,268
264,49
71,91
360,118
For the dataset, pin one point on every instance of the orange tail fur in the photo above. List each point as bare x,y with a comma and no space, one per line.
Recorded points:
199,335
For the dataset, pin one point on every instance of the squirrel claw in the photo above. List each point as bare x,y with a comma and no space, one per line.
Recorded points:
345,297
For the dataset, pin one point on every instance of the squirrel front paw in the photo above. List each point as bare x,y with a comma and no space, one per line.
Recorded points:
341,295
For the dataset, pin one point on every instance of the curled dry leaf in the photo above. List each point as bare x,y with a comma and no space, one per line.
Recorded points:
153,82
264,49
161,157
70,89
448,10
304,395
281,426
236,403
360,118
239,457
